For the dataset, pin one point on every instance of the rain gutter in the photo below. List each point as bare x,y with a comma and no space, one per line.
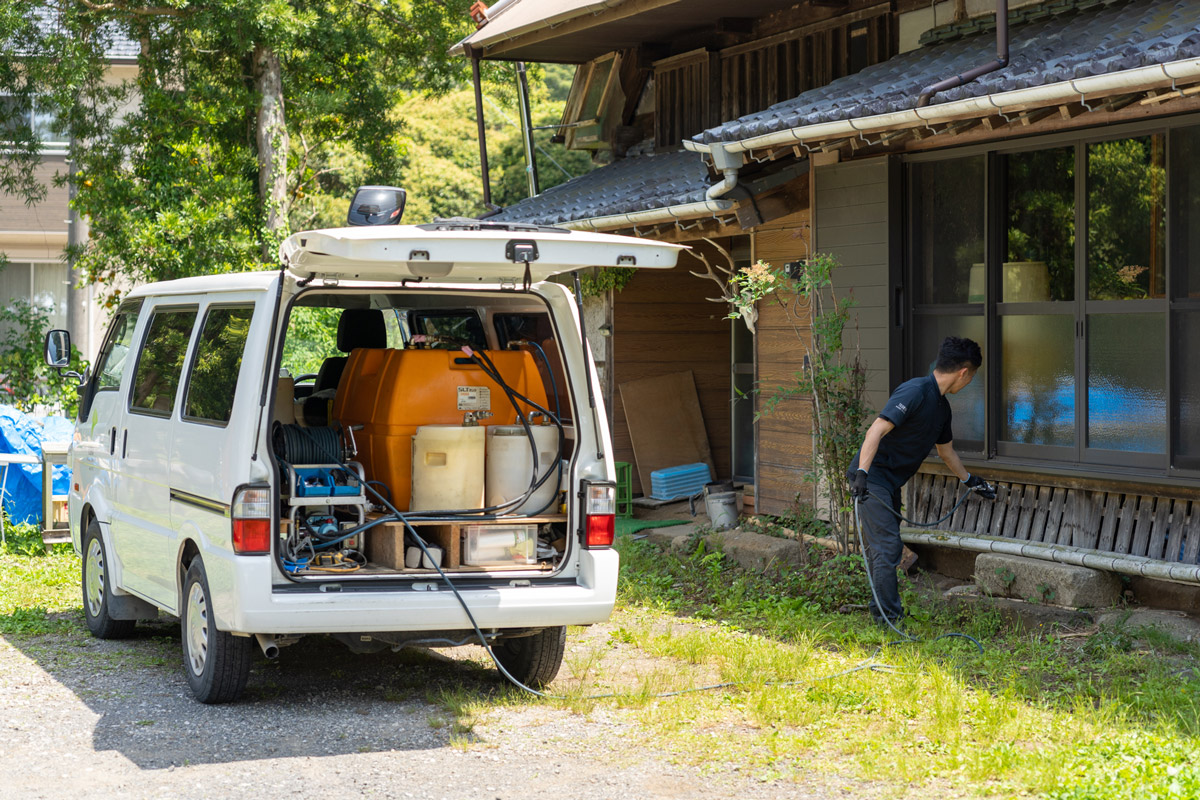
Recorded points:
1140,79
650,217
1075,556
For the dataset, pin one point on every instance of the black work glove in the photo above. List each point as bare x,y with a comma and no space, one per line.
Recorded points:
858,484
980,487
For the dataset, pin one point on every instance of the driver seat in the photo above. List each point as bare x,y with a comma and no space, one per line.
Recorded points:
357,328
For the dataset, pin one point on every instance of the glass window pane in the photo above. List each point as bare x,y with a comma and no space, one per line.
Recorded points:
160,363
1037,377
1186,329
1127,388
947,208
218,361
968,404
114,355
1185,212
1126,195
311,338
1040,214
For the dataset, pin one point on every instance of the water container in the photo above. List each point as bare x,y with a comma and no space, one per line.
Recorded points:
722,509
510,466
447,468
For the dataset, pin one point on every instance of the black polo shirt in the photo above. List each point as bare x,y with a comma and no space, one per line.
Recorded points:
921,415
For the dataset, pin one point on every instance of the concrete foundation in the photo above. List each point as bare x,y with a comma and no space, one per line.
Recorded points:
1046,582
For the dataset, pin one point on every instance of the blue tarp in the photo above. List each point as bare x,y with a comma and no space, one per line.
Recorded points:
24,433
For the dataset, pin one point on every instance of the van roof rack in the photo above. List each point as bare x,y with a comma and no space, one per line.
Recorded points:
470,224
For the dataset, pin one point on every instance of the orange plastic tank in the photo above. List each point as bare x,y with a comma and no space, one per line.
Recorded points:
391,392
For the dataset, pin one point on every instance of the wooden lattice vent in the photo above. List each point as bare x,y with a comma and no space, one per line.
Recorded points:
1125,523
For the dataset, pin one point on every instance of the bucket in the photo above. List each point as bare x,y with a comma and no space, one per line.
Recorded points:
447,468
721,502
510,466
722,509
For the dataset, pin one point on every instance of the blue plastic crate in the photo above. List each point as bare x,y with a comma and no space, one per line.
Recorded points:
326,482
673,483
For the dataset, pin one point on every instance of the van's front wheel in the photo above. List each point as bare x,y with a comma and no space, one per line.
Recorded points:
533,660
216,663
97,588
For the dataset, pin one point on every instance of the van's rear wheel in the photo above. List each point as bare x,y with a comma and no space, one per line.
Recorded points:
533,660
97,588
216,663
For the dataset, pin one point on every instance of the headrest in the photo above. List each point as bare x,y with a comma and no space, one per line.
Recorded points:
361,327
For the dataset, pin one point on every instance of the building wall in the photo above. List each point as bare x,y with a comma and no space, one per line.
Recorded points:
784,433
853,224
663,322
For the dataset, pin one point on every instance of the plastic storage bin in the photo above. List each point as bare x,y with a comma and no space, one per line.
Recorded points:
499,545
673,483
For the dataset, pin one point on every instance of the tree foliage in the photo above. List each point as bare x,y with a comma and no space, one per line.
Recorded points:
25,380
169,166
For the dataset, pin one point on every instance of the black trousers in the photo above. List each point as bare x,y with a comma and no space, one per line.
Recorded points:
881,532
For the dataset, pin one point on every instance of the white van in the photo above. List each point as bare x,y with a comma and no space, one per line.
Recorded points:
327,448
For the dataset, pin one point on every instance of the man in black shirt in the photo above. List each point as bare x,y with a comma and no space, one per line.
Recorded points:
916,418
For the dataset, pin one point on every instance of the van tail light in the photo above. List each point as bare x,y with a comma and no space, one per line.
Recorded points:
251,514
599,514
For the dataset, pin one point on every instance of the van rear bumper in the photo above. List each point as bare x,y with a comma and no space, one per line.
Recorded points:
257,609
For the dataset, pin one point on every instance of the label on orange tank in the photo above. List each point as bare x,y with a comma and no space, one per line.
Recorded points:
474,398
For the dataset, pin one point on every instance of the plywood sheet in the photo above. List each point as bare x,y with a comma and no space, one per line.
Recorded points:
665,423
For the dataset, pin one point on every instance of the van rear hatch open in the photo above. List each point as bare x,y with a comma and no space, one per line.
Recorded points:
483,253
458,385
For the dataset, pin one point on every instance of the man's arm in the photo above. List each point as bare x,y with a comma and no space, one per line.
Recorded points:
951,459
870,446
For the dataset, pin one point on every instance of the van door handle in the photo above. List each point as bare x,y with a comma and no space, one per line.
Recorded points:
124,442
112,440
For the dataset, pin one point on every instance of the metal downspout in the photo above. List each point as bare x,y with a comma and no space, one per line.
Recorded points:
728,163
1000,63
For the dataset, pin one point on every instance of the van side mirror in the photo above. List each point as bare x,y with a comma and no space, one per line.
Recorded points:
58,353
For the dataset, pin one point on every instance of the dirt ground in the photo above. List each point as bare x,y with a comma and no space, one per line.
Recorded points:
81,717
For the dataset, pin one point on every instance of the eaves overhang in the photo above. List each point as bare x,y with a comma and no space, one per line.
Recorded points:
1088,91
577,31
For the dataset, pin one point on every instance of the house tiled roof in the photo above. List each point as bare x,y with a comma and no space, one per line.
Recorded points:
1064,40
118,46
623,187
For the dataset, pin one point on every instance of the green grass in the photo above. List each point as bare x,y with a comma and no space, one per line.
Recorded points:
39,591
1111,713
1101,714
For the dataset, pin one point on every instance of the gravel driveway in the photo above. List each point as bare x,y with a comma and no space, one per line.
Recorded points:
81,717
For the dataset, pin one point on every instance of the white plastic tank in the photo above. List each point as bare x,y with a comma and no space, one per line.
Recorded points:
510,466
447,468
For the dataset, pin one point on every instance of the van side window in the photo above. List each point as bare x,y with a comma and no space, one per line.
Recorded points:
160,363
114,355
213,378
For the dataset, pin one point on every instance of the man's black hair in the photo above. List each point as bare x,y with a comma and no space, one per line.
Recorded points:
956,353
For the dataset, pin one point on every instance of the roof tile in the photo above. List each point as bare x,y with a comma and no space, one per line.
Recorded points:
1108,37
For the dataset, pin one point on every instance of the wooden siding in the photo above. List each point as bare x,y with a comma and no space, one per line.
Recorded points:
759,74
683,97
663,322
1125,522
784,434
853,224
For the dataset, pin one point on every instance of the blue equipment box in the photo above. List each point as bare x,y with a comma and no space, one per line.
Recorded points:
325,482
673,483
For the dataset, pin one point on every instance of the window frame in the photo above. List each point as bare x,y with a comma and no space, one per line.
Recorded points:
155,309
55,146
194,355
1166,465
133,307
